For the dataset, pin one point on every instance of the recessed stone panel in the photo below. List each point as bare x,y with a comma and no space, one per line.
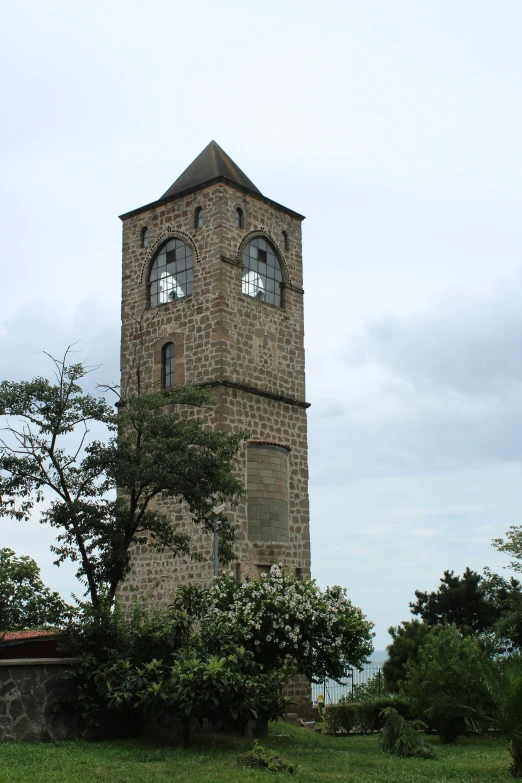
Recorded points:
267,493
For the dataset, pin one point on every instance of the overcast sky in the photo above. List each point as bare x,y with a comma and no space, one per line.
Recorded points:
396,128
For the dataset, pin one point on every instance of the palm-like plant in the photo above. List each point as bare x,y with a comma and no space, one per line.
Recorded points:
501,680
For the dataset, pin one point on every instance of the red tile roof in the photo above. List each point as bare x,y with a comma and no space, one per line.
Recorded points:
9,636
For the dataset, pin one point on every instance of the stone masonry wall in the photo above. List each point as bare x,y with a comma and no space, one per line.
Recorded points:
28,692
222,336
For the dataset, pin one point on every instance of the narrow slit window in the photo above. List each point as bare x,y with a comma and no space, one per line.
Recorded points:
145,237
284,240
239,218
198,217
168,366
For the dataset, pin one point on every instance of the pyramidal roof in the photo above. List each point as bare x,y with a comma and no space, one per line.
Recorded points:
211,164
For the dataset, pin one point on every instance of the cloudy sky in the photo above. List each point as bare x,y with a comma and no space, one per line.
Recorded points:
396,128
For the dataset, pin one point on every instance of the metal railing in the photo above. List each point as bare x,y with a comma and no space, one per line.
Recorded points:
332,691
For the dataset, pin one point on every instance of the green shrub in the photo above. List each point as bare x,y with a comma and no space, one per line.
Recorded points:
262,758
363,717
444,659
370,715
341,717
403,737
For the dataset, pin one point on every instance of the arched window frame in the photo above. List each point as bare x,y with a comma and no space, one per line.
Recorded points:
254,293
198,217
284,240
239,217
144,237
190,254
168,366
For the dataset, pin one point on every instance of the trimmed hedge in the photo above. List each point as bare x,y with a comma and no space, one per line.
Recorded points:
362,717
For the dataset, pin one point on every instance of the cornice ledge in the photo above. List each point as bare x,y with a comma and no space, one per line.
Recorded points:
255,390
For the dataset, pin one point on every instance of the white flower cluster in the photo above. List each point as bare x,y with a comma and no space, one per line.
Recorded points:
287,619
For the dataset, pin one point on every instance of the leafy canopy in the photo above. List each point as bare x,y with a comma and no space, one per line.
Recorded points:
440,667
25,602
463,600
501,711
485,606
511,545
155,447
407,639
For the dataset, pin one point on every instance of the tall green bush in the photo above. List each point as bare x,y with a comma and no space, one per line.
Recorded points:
501,711
439,668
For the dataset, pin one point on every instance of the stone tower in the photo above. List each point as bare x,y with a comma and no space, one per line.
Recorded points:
212,291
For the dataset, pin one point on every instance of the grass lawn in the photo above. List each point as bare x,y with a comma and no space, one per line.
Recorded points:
316,758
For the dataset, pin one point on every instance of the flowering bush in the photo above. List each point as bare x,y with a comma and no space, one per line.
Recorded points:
288,623
221,653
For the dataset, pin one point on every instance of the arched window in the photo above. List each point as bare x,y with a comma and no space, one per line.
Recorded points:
167,366
171,273
262,276
145,237
198,217
239,218
284,240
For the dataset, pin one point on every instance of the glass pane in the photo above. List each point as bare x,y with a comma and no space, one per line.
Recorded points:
261,271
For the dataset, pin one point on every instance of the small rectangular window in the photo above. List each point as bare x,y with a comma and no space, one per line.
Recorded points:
261,255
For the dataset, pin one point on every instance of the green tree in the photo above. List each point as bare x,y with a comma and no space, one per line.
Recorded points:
501,711
462,600
511,545
407,639
443,659
155,447
25,602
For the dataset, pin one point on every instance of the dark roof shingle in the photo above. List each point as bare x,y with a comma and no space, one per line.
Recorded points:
211,164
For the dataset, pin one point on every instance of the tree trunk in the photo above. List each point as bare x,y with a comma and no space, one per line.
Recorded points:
186,732
516,755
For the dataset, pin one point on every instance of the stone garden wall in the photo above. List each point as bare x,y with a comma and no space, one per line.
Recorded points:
28,691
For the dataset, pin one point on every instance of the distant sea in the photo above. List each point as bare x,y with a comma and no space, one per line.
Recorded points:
332,690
